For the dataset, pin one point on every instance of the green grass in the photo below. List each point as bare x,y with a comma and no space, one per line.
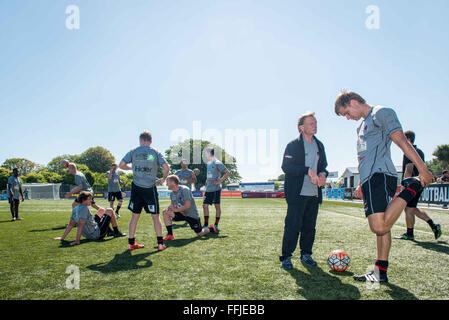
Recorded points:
239,263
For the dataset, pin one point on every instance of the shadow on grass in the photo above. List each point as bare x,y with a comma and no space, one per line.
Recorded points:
178,226
49,229
66,244
398,293
6,221
183,242
123,262
440,246
320,285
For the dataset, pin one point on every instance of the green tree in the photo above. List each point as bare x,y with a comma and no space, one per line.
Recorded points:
174,155
34,178
52,177
442,154
24,165
435,166
4,175
98,159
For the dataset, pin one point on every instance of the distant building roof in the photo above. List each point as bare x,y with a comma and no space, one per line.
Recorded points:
355,170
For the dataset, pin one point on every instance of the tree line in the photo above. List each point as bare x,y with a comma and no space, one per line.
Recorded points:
96,161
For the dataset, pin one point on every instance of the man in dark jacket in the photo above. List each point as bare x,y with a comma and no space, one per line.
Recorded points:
304,165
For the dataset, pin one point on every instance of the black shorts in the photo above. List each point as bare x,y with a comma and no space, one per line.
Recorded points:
115,195
414,202
195,224
212,197
378,191
103,223
144,198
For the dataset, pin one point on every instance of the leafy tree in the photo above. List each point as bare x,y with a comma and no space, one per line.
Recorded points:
34,178
98,159
174,155
52,177
435,166
25,166
4,175
442,154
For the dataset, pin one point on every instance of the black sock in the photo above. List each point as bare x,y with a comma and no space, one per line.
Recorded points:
217,219
431,224
131,240
116,229
159,240
206,220
410,231
118,208
170,230
382,265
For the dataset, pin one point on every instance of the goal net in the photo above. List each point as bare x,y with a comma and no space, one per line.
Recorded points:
41,191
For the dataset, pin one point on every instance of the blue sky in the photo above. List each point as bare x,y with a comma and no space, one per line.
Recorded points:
161,65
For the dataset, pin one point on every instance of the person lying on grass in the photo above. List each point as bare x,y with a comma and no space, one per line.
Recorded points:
91,227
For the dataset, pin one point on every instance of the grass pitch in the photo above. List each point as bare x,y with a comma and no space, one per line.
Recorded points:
241,262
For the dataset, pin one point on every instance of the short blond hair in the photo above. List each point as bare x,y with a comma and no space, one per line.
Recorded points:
173,178
72,166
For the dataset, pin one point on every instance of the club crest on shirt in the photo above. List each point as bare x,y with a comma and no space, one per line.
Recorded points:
288,156
150,157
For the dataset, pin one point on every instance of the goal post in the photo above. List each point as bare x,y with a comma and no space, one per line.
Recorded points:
41,191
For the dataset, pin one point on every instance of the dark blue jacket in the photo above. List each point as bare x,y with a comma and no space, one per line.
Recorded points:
293,165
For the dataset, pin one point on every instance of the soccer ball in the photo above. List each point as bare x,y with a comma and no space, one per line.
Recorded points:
338,260
196,171
65,163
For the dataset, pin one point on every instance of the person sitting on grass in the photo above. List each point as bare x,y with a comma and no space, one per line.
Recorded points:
91,227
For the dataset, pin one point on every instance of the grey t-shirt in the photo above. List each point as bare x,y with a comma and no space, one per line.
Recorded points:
180,197
15,184
91,229
183,174
214,172
114,182
145,162
373,143
311,161
80,179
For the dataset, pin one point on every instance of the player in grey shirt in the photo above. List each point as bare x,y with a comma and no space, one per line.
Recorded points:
216,174
114,190
81,185
15,192
185,175
91,227
379,127
182,208
145,163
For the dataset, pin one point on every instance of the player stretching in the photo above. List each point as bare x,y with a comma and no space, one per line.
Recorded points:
185,175
409,170
114,191
378,175
91,227
182,208
145,163
81,185
216,174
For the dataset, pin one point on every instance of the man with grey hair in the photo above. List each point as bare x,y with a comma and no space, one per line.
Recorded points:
304,164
